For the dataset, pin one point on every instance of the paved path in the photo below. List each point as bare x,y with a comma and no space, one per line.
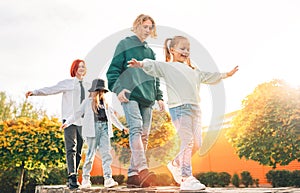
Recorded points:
162,189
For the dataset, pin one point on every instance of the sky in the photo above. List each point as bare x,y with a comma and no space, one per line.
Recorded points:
40,39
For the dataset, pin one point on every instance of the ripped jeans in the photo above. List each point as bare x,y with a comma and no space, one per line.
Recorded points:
187,121
139,121
100,142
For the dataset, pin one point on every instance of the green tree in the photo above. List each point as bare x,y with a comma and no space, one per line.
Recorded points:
29,140
28,144
6,107
266,128
9,109
163,142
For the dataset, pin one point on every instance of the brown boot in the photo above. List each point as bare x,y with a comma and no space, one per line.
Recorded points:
147,178
133,182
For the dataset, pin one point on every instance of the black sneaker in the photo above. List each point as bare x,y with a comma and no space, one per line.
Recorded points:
133,182
147,178
72,179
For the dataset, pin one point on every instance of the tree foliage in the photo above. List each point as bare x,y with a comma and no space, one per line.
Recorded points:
29,140
162,142
6,107
9,109
32,143
266,129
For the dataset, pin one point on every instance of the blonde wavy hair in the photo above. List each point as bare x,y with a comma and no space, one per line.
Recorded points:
96,97
140,20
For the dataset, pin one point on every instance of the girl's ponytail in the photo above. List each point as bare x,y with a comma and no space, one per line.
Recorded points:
167,49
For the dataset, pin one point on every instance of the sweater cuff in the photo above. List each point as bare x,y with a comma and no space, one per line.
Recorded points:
117,90
146,65
224,75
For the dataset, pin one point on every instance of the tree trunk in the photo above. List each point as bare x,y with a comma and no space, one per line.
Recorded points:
20,184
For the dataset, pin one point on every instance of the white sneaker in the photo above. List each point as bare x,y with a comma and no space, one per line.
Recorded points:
175,171
110,182
86,183
191,183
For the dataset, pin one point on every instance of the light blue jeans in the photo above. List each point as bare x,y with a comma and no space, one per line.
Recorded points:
138,119
100,142
187,121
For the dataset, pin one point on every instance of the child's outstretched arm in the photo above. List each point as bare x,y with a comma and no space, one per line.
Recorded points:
133,63
233,71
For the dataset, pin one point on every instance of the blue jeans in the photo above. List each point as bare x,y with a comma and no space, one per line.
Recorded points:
138,119
187,121
101,142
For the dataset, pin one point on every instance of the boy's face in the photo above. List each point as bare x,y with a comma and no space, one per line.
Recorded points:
143,31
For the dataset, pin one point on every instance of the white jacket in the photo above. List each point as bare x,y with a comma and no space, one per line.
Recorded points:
70,89
88,122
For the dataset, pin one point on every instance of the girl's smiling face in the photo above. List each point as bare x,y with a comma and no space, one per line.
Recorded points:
181,51
81,71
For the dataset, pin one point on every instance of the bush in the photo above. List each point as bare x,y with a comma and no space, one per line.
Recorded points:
57,176
213,179
208,179
97,180
296,178
202,178
235,180
256,182
31,179
279,178
10,177
119,178
246,178
223,179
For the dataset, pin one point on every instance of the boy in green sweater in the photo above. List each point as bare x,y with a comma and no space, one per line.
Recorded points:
137,93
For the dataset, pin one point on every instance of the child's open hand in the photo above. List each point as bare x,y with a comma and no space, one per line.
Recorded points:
133,63
126,130
63,126
232,72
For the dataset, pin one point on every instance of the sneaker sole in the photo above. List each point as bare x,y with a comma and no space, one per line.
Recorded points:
111,186
185,190
85,187
195,189
73,187
133,186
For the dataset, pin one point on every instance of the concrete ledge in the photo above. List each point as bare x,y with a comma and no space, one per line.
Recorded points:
160,189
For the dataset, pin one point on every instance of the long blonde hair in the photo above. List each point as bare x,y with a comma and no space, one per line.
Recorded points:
96,97
139,21
171,43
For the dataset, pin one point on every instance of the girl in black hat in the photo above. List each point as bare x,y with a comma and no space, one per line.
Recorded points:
97,130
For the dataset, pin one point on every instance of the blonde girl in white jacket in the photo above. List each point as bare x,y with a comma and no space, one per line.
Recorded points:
97,122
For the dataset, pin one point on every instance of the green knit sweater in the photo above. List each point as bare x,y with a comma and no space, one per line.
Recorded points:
144,88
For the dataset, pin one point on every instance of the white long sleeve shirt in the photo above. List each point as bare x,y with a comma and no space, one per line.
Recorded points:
70,89
88,122
182,82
